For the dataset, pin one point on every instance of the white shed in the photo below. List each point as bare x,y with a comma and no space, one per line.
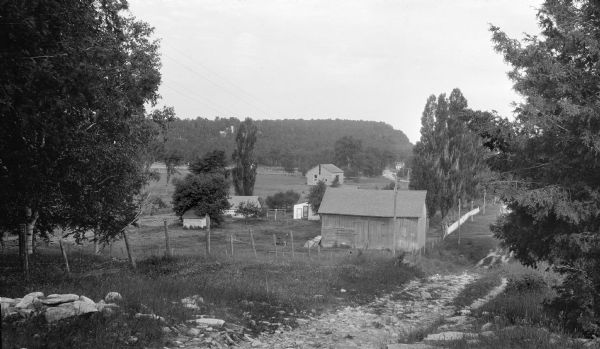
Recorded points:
191,220
235,201
304,211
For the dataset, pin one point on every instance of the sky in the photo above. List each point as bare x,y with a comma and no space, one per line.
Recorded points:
318,59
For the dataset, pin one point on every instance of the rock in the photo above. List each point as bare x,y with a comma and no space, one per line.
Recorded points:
465,311
84,307
410,346
193,332
342,290
86,300
6,300
149,316
113,297
165,329
448,336
192,302
208,322
101,306
55,299
459,320
54,314
487,334
425,295
27,301
487,326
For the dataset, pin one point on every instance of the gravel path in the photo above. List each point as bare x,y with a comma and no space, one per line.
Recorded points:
420,304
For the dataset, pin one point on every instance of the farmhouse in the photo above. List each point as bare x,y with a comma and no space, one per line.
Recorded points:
304,211
192,220
235,201
365,219
324,172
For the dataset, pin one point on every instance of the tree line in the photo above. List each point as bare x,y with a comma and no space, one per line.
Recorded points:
291,144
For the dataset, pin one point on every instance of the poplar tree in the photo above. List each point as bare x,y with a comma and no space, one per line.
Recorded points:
244,171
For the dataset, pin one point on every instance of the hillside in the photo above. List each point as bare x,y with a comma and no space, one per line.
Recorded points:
305,142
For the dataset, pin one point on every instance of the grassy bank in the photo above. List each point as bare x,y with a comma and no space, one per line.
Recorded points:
249,292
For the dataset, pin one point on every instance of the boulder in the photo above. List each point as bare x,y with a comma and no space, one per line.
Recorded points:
487,326
55,299
208,322
193,332
425,295
86,300
54,314
149,316
6,300
448,336
113,297
27,301
84,307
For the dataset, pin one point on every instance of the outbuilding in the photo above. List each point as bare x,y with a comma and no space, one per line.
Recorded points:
235,201
327,173
304,211
361,218
193,221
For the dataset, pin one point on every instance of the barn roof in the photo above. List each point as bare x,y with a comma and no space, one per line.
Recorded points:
191,214
374,203
331,168
234,201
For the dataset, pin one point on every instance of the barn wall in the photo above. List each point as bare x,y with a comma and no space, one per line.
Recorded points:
371,232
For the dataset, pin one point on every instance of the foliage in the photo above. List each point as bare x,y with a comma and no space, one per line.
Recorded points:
244,172
205,193
449,159
347,153
212,162
315,196
549,157
288,163
73,134
283,200
249,210
310,142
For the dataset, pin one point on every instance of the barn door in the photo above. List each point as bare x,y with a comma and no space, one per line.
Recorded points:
361,235
305,211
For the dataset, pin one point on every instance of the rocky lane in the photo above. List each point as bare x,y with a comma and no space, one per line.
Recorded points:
419,304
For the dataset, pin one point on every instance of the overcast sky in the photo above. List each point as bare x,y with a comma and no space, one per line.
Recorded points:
349,59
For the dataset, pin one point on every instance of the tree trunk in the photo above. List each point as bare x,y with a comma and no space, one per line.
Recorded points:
64,253
128,248
31,218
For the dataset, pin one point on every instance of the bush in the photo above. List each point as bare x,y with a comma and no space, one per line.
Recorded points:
283,200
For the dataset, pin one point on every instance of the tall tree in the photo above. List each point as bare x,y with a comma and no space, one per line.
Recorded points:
448,160
552,154
347,153
244,172
76,76
170,157
212,162
315,196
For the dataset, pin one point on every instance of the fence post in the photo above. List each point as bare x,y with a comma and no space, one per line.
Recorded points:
253,246
472,210
168,251
207,218
292,240
128,248
319,250
459,221
484,192
275,243
231,243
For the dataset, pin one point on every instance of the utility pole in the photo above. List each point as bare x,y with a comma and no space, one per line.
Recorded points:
394,222
459,221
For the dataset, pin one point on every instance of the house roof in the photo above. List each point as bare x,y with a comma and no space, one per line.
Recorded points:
191,214
234,201
375,203
330,168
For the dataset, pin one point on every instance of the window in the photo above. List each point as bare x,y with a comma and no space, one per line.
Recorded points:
315,176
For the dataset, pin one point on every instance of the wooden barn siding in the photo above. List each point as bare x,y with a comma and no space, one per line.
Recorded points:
371,232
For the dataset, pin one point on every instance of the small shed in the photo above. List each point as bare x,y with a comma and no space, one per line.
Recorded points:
191,220
235,201
326,173
304,211
361,218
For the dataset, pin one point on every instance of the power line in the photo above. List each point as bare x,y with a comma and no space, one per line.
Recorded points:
209,101
217,85
196,62
192,98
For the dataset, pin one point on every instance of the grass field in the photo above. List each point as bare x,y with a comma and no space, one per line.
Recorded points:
266,184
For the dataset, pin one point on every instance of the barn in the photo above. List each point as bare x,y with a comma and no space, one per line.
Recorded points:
191,220
364,219
326,173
